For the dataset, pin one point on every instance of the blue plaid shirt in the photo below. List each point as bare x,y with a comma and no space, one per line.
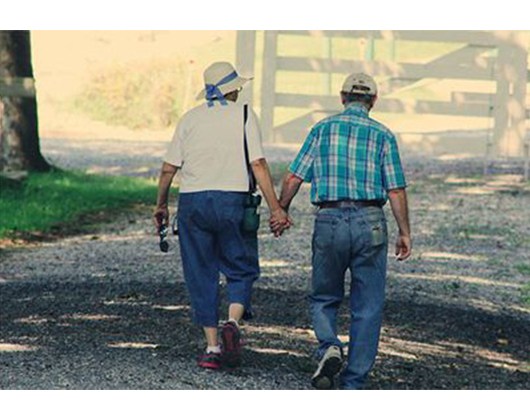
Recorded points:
349,156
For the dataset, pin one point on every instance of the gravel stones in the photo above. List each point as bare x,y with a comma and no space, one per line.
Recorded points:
108,310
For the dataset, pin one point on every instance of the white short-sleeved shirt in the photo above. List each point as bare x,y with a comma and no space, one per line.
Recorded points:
208,146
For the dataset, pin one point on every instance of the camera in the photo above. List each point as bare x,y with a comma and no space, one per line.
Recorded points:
162,233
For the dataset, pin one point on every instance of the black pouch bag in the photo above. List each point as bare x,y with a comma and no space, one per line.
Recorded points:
251,216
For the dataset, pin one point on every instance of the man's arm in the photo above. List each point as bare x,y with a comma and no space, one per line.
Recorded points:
161,213
398,202
261,171
290,186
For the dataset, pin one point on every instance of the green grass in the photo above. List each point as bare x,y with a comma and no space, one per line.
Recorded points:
523,269
469,230
43,201
525,294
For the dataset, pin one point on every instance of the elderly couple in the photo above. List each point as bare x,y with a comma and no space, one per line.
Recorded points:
353,164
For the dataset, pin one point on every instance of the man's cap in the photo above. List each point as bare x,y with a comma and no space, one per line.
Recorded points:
360,83
221,77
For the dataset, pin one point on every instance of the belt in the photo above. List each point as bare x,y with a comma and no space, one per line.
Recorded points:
349,204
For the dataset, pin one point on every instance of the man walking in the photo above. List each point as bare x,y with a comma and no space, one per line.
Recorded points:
353,164
211,146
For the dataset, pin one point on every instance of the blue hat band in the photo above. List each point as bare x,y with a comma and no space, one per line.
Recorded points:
213,91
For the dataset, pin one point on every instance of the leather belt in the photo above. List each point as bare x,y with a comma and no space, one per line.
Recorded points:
349,204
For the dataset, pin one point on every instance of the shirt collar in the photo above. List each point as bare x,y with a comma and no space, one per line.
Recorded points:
356,109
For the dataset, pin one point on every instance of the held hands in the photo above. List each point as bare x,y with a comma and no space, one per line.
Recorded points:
279,222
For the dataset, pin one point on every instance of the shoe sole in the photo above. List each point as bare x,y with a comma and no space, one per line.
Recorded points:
206,365
231,338
325,378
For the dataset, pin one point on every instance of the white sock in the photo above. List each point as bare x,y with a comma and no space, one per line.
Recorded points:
213,349
234,321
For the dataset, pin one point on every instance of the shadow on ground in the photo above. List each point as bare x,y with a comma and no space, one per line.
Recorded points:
100,335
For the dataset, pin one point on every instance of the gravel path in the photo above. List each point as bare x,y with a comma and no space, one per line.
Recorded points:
109,311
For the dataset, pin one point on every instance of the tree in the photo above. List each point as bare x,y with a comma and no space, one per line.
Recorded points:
19,134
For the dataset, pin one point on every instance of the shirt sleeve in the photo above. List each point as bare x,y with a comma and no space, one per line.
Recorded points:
393,176
174,151
255,148
302,165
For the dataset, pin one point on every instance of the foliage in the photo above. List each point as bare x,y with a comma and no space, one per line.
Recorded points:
146,95
46,200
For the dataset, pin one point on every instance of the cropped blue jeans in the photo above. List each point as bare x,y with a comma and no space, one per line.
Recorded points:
212,242
356,239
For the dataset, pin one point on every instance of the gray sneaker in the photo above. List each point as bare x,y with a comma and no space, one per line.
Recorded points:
329,366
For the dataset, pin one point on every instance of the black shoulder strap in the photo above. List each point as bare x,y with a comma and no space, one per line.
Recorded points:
251,178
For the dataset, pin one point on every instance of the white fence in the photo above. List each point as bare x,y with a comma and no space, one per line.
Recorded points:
497,57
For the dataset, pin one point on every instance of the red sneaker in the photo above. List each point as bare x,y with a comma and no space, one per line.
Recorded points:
209,360
231,337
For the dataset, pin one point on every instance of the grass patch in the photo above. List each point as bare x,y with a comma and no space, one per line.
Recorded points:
478,232
525,294
44,201
469,231
523,269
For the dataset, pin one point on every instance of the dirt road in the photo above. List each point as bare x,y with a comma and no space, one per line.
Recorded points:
107,310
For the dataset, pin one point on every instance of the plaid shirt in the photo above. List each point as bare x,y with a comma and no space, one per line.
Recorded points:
349,156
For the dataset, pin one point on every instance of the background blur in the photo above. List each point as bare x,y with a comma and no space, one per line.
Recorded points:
136,84
121,84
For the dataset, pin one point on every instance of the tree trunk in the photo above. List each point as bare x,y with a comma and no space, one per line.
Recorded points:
19,134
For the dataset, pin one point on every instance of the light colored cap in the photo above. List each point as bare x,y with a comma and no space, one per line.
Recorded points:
223,76
360,83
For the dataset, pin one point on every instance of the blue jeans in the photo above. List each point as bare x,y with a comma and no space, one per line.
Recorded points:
354,239
212,242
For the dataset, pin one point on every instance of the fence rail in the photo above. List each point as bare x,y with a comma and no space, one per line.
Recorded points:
478,38
496,57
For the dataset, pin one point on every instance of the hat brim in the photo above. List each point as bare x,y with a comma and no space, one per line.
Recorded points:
228,87
360,92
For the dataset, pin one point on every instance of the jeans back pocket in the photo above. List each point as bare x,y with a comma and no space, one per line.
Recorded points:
324,230
376,222
379,235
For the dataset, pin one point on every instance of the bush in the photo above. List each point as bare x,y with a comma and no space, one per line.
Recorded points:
148,95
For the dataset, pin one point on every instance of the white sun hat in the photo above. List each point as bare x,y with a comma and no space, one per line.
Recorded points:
220,78
360,83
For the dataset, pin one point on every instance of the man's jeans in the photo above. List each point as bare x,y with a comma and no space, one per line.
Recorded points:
355,239
212,241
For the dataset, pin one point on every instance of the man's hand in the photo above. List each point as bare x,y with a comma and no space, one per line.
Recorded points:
398,202
279,222
161,216
403,247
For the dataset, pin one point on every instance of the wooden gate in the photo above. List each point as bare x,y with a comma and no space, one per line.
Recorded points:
498,58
